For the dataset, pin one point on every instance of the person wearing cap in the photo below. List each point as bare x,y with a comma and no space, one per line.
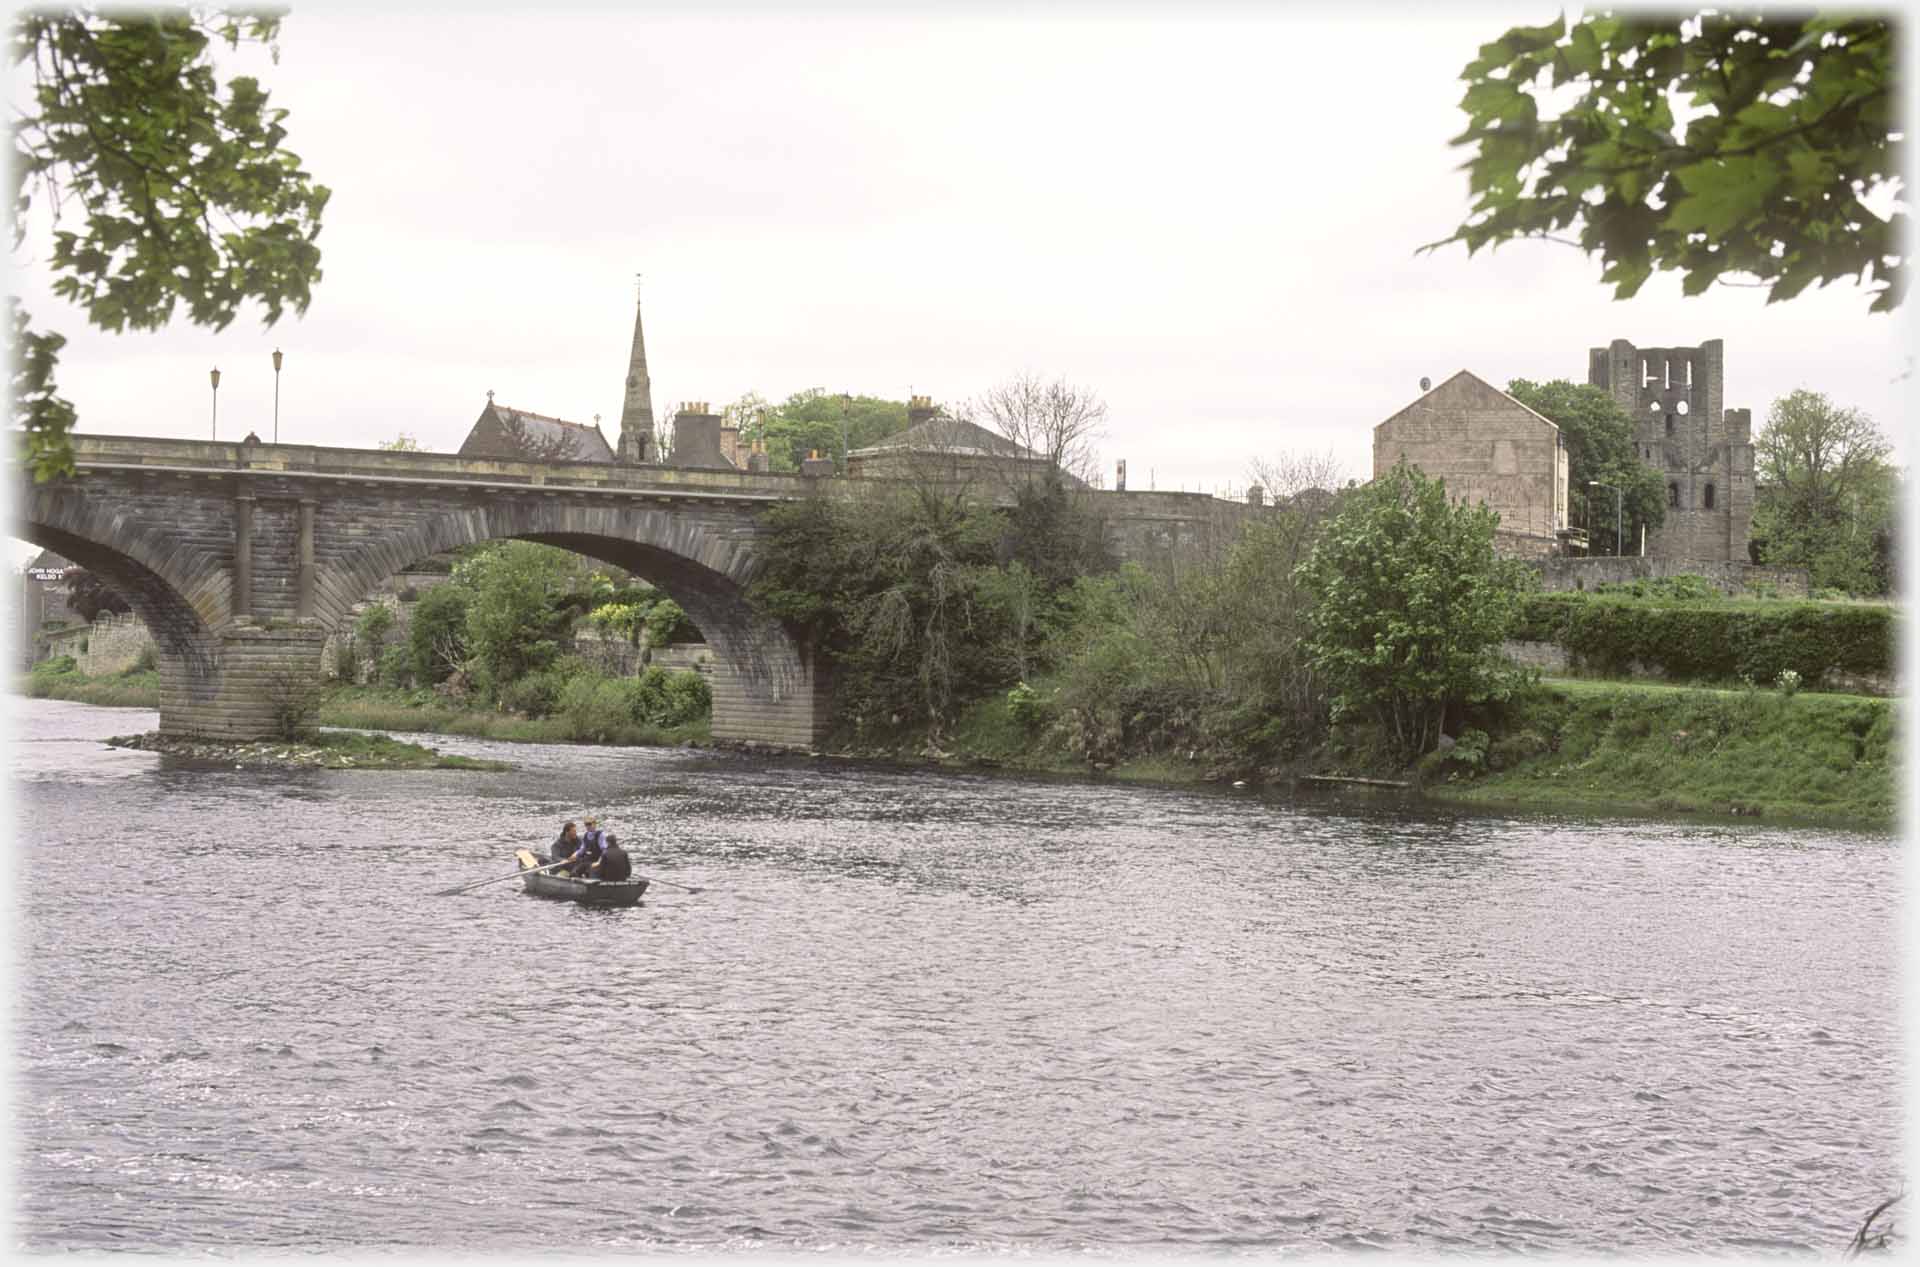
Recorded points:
592,843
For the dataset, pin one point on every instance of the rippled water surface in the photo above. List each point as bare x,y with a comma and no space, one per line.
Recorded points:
914,1012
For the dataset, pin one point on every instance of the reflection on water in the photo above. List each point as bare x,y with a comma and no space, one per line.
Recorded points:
913,1012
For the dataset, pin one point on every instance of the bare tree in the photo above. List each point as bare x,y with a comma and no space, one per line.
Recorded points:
532,446
1055,422
1288,475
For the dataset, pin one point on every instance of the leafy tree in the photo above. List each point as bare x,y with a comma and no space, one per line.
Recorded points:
88,596
525,598
813,421
1410,606
667,623
1827,496
1598,434
436,635
402,443
1722,144
183,190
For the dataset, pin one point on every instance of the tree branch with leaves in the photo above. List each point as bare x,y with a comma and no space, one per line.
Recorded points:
163,189
1720,145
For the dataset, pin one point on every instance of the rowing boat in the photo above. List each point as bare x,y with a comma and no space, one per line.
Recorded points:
568,889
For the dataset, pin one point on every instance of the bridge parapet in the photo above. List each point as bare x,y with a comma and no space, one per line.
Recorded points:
206,457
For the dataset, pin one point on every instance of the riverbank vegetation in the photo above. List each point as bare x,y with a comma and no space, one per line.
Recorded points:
323,750
61,678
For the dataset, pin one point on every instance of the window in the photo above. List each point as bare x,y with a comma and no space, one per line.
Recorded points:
1673,496
1669,424
1706,497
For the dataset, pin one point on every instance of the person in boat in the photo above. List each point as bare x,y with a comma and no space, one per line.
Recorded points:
593,842
614,863
566,845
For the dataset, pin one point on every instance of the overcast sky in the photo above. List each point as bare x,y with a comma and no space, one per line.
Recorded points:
1210,217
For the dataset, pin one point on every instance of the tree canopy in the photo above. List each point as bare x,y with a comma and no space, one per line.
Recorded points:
813,421
163,188
1827,494
1410,605
1598,434
1720,145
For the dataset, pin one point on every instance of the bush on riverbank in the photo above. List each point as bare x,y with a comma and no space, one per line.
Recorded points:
61,678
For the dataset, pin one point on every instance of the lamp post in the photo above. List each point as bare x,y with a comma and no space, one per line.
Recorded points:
214,378
1618,544
846,404
276,395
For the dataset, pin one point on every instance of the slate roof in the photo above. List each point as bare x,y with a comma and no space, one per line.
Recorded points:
951,435
568,441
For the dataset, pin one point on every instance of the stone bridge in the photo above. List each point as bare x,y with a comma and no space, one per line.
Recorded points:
241,558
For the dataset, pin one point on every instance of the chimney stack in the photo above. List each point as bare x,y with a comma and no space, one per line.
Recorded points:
696,438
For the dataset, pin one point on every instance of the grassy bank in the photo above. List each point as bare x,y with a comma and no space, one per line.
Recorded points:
61,678
379,708
1591,747
1572,745
1600,747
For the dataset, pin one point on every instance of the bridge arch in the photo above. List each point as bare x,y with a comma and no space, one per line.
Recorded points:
766,686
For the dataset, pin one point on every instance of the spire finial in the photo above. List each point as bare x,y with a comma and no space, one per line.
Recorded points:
489,395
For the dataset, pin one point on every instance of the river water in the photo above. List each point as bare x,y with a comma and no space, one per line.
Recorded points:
917,1013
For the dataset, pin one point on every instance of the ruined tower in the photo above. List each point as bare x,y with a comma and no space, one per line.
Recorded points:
1683,429
636,414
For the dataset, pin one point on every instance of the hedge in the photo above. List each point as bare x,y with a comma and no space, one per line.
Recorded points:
1713,641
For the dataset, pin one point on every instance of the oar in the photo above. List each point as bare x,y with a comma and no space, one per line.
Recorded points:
496,879
657,880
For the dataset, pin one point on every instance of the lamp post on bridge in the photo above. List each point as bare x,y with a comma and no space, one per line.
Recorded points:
276,395
1618,497
846,405
214,378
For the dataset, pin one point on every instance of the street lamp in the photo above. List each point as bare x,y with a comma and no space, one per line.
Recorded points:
846,404
214,377
276,395
1618,545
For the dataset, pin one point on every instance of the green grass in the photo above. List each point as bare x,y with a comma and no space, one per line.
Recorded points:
388,753
1652,748
58,678
375,708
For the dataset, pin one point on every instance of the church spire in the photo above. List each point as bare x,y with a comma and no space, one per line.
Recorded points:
636,415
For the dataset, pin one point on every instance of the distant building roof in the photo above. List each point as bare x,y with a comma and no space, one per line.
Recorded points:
950,435
504,433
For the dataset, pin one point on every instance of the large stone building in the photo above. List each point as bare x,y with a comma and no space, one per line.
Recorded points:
1487,447
1683,429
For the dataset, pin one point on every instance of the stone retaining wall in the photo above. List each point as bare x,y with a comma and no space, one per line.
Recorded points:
1730,578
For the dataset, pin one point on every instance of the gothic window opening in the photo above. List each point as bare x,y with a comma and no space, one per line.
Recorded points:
1669,424
1673,496
1706,497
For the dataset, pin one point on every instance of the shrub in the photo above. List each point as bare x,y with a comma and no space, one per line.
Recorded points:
147,660
1788,682
539,694
1721,641
1027,707
54,666
688,698
595,707
396,666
